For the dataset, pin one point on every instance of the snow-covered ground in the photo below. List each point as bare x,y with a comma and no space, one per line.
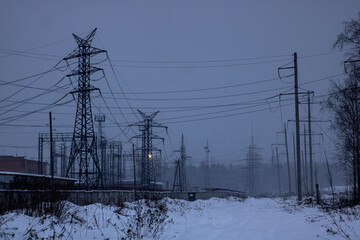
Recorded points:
230,218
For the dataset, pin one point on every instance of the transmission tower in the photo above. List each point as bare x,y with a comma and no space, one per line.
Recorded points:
207,167
253,158
180,171
84,161
147,158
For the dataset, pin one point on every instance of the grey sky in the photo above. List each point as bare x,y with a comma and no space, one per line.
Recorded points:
172,31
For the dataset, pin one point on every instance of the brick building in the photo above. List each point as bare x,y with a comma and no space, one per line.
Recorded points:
19,164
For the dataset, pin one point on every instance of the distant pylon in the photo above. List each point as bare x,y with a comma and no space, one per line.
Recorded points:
180,171
147,158
252,164
83,160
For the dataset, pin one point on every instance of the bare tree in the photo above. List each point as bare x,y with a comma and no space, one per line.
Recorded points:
343,103
350,38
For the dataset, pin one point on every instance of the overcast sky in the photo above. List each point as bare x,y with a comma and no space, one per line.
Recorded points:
158,47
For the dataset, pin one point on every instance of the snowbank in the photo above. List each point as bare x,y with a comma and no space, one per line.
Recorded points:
230,218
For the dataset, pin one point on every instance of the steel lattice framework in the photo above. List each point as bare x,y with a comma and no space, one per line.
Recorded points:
253,159
180,171
62,138
147,160
83,160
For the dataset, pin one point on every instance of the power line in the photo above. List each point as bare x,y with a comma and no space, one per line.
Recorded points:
207,89
13,118
232,95
224,105
321,54
118,82
24,54
46,91
117,104
202,61
31,98
41,46
114,120
54,68
211,97
203,66
193,107
223,116
29,87
11,146
28,53
190,108
118,125
210,113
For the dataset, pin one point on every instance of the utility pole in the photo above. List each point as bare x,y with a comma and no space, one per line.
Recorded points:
305,164
51,153
297,128
294,152
310,147
63,160
134,166
207,174
298,153
287,157
278,169
102,146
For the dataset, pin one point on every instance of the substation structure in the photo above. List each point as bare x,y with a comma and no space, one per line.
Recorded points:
180,183
90,158
112,164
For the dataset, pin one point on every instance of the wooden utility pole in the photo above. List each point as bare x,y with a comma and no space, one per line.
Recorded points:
134,166
305,165
207,169
294,152
287,157
51,152
297,120
310,147
52,195
278,169
298,155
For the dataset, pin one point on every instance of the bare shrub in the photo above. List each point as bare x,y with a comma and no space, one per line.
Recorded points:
149,220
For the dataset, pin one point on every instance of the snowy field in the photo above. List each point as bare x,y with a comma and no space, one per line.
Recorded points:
230,218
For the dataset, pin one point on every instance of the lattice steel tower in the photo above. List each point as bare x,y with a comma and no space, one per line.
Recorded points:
180,171
147,158
83,160
253,158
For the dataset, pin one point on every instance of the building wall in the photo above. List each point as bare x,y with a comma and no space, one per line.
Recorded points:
19,164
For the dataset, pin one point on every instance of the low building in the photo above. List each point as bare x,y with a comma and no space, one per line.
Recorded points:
9,180
20,165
